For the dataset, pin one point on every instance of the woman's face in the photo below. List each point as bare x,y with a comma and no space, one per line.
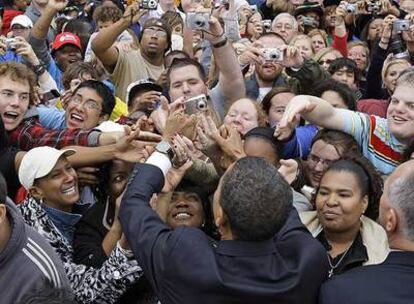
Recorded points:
392,74
254,26
334,99
185,209
118,177
375,29
59,189
326,60
242,115
260,147
319,159
339,202
318,43
305,48
278,106
359,55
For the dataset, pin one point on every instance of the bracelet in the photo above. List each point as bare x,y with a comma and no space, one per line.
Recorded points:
220,43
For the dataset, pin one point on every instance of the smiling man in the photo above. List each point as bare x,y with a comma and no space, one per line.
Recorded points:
92,103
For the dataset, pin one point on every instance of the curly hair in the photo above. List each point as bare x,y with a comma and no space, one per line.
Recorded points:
105,13
20,73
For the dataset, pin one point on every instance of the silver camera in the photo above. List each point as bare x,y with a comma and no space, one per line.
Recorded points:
149,4
373,7
273,55
351,8
267,25
253,8
196,104
198,21
309,21
401,25
10,43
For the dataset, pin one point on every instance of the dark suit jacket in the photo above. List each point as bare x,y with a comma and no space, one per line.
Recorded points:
388,283
185,266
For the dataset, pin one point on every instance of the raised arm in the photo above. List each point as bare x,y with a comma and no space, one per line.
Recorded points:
315,110
103,44
231,83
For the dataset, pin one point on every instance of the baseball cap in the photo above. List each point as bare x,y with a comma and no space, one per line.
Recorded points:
39,162
309,6
64,39
143,84
22,20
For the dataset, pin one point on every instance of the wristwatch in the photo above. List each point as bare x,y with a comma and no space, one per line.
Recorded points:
165,148
39,69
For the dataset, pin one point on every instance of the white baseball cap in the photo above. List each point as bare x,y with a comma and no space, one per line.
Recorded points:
22,20
39,162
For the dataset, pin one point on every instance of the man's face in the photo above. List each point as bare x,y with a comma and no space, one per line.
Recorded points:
84,109
269,71
345,76
154,42
104,24
66,55
284,27
14,101
400,113
186,81
20,31
41,3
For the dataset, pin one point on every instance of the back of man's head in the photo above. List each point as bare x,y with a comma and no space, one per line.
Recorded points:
255,198
401,197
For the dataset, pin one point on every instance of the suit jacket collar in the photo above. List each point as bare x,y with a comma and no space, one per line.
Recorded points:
405,258
243,248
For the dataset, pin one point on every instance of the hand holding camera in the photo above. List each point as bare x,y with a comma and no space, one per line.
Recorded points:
21,47
134,12
252,54
292,58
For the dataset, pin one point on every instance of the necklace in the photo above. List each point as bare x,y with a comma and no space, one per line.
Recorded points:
333,267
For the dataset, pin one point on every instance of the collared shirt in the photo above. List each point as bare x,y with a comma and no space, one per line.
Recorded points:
64,221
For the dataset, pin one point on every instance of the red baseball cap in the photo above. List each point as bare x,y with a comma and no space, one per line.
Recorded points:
64,39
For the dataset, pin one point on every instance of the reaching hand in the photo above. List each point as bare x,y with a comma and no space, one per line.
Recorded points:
292,57
57,5
174,176
133,13
131,150
87,176
184,148
288,169
230,142
252,54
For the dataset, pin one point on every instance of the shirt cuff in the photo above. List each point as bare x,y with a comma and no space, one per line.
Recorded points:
161,161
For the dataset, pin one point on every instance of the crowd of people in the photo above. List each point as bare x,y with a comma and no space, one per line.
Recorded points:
225,151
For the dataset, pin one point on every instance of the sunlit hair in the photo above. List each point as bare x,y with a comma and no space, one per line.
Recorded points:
20,73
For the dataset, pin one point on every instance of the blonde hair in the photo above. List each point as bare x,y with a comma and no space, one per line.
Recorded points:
300,37
325,51
320,32
353,44
389,62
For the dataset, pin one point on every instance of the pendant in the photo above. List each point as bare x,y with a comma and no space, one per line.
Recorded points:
330,273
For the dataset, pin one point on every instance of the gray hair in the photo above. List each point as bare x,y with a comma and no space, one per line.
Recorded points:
294,22
401,196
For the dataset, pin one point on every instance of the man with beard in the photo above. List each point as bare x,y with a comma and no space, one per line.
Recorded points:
267,73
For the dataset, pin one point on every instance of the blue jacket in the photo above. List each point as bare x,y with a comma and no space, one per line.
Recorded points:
184,266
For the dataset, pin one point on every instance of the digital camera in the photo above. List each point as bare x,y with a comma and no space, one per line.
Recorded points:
198,21
400,25
10,43
273,55
149,4
309,21
267,25
373,7
351,8
253,8
196,104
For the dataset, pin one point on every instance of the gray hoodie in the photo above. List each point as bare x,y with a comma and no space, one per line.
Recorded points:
28,263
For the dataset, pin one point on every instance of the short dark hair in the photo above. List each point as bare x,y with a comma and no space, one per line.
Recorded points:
108,99
341,141
267,100
346,63
255,198
342,89
183,62
75,70
369,180
3,189
266,134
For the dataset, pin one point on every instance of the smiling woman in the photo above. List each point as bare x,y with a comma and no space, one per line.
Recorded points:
347,202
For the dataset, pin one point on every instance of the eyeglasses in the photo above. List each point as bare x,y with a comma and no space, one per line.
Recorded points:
155,32
327,61
88,104
316,159
9,95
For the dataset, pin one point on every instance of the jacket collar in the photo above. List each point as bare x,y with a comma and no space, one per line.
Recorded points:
244,248
405,258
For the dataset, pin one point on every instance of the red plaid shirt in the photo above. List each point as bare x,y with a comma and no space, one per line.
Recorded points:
30,134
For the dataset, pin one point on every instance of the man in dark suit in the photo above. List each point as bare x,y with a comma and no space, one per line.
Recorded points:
265,254
390,282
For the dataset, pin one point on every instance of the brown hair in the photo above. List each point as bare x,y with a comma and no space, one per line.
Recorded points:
20,73
107,13
75,70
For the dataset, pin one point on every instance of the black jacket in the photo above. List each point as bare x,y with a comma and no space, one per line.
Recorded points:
184,266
